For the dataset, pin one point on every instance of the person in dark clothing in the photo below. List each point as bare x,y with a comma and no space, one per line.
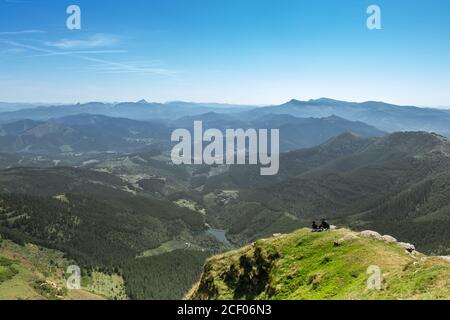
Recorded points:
315,227
324,225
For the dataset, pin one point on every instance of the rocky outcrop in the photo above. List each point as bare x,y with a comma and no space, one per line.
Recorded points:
407,246
389,238
247,277
375,235
371,234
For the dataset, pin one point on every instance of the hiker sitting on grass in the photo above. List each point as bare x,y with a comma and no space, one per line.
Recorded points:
324,226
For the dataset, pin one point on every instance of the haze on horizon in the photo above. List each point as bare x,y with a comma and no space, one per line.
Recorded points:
257,52
33,104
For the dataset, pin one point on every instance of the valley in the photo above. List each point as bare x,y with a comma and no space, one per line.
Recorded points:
103,192
224,150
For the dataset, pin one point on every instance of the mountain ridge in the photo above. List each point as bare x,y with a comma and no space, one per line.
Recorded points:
333,265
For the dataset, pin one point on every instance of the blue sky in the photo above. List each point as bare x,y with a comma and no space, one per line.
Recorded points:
234,51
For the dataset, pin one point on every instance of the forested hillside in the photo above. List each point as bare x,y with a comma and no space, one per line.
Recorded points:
102,226
396,184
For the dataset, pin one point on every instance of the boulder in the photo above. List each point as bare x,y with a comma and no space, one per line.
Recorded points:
407,246
371,234
277,235
388,238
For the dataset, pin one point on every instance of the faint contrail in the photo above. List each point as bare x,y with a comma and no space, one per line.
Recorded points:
117,65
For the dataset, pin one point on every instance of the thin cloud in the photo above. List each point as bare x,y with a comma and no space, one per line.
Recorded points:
110,66
12,51
17,1
95,41
20,32
68,53
121,68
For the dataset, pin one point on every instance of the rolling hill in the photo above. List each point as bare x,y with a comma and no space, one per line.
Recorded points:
295,133
81,134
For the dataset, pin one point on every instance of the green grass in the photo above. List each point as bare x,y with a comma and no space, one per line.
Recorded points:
110,286
16,281
7,270
316,266
170,246
31,272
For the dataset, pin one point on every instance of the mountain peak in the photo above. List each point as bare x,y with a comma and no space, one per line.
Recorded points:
334,118
345,137
346,140
315,101
326,101
143,101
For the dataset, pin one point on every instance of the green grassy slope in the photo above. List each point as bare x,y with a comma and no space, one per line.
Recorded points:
31,272
330,265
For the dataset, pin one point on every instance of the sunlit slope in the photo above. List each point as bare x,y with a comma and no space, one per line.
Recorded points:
329,265
31,272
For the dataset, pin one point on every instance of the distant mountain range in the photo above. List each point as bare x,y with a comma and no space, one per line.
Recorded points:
141,110
97,133
13,106
384,116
